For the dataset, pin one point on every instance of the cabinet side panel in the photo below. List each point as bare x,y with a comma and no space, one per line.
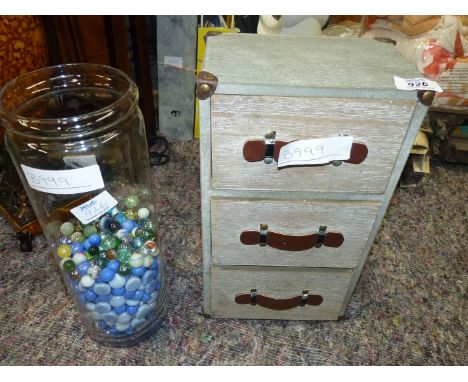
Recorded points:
414,125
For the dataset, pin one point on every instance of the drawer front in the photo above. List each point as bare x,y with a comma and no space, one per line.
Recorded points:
380,124
278,288
294,220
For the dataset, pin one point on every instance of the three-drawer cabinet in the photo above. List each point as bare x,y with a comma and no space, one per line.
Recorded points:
290,242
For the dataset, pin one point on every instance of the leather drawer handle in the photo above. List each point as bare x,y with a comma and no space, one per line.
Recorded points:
254,151
290,242
253,298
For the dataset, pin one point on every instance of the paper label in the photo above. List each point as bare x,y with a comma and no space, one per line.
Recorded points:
173,61
416,84
315,151
94,208
64,181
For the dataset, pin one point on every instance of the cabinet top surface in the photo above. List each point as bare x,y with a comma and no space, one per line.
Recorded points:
240,59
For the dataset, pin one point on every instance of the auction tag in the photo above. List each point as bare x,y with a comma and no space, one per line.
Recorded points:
73,181
315,151
416,84
94,208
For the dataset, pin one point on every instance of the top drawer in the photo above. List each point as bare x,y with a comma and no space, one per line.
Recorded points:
380,124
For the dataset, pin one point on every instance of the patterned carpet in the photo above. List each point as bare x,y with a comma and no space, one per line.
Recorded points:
409,307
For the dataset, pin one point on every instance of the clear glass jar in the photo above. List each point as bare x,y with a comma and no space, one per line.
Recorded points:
77,138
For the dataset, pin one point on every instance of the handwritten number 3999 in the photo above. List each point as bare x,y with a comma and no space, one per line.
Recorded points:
49,181
308,151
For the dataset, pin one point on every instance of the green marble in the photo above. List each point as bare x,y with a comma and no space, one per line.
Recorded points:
124,269
67,229
89,229
109,242
69,266
132,201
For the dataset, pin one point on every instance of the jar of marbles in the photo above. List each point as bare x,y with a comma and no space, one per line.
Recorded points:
77,138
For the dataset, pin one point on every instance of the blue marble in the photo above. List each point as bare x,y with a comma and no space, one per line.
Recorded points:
117,301
114,265
129,295
133,283
103,307
154,297
90,306
138,295
105,298
143,311
138,272
83,298
151,286
128,225
99,279
130,331
104,223
133,302
120,309
136,322
147,277
124,318
107,274
155,264
120,217
109,317
101,289
86,244
94,239
146,297
118,291
76,247
90,295
132,310
118,281
83,267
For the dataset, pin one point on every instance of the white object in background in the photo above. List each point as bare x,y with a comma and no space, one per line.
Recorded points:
291,25
416,84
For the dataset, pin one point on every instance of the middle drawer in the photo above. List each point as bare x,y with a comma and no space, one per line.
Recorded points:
295,235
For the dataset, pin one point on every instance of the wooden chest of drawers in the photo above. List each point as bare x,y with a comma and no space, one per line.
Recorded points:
291,243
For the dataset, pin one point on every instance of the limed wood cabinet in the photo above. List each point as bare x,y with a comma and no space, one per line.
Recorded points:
291,243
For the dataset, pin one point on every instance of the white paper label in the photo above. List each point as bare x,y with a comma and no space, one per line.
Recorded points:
416,84
94,208
64,181
315,151
173,61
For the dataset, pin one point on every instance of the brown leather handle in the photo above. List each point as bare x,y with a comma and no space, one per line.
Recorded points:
292,243
254,151
278,304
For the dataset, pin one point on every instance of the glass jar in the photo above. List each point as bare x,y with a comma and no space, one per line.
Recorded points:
77,138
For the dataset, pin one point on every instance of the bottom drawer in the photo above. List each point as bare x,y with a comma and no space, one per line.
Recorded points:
278,293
